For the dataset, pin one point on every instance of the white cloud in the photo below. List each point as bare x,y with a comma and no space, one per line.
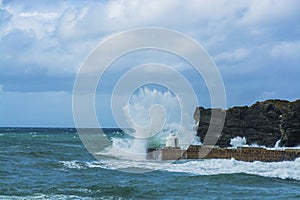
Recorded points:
36,24
68,23
62,34
181,66
232,56
47,16
261,12
55,38
287,49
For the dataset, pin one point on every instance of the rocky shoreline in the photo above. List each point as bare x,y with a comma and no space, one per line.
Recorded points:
263,123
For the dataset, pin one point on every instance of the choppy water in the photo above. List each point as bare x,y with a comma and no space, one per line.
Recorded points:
53,164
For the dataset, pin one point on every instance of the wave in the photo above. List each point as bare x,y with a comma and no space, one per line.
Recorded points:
153,115
282,170
75,164
44,196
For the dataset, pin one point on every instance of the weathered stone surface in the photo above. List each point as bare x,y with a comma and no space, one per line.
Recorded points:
263,123
248,154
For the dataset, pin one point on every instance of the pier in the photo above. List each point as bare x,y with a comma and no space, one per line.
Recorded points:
248,154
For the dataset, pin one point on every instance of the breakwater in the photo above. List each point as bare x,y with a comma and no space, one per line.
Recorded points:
248,154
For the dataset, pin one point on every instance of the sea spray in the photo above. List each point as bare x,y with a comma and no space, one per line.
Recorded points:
277,144
153,114
242,142
150,112
238,141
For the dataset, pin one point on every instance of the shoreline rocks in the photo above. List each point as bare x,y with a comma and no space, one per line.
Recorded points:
263,123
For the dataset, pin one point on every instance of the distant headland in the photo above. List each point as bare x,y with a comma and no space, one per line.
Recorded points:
263,123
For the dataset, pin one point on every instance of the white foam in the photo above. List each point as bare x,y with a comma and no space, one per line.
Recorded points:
75,164
241,142
238,141
131,151
153,115
277,144
44,196
72,164
283,170
148,112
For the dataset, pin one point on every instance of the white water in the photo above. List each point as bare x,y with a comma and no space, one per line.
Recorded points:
153,115
238,141
146,111
277,144
241,142
283,170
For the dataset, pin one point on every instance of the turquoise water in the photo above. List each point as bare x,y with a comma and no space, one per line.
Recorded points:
53,164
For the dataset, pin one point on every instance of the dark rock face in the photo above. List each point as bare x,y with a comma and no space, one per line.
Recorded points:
290,125
263,123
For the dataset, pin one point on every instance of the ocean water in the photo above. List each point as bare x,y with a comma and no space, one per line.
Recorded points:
52,163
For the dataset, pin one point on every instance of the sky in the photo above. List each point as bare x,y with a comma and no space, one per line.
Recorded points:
255,45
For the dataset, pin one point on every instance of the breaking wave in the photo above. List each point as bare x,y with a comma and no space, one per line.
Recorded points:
282,170
153,115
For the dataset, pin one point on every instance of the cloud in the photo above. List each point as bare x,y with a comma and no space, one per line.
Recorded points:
286,49
54,39
58,37
270,12
232,56
51,40
35,24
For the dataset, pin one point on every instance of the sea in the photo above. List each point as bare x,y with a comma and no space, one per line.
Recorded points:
53,163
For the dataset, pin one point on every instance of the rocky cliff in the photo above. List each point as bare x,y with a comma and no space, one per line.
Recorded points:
263,123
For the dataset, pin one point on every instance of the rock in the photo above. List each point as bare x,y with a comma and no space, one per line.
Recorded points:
290,125
263,123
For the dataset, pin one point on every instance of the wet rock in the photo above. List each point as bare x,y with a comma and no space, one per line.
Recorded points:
263,123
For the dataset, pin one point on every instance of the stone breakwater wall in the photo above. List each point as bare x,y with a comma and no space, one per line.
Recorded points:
248,154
